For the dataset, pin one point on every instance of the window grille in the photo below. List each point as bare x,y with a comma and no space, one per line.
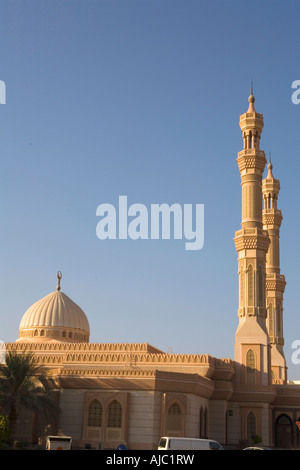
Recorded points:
95,414
114,415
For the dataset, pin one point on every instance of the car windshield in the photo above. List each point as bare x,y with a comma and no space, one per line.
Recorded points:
215,446
163,443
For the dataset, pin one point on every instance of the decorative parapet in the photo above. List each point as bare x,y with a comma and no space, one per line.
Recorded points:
80,346
113,356
96,372
224,369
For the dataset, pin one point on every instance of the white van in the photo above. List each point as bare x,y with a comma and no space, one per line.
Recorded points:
58,443
185,443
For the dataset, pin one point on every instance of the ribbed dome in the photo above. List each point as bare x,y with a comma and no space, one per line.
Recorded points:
55,317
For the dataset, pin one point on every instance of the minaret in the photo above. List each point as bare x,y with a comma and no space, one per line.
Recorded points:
275,282
252,345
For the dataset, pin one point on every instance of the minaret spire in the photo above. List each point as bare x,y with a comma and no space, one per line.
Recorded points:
275,281
252,345
270,168
251,100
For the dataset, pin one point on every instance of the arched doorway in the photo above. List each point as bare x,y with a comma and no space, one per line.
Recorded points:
284,432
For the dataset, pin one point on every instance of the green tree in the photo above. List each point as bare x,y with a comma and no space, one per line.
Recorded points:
22,384
4,429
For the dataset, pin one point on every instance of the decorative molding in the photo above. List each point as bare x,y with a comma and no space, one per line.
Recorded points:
251,159
258,240
272,217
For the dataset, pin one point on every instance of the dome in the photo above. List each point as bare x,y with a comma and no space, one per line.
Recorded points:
54,318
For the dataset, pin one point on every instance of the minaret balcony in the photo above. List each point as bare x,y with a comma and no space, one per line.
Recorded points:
251,120
254,238
275,282
251,159
272,217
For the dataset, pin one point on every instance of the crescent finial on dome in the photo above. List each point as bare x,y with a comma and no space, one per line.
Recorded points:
59,276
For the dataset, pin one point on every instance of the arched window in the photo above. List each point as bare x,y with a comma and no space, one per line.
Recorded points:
114,419
284,432
256,141
95,414
271,320
251,425
250,286
205,424
278,318
260,286
201,423
174,418
250,140
242,288
250,366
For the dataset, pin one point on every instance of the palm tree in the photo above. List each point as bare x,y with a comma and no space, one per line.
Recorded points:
22,384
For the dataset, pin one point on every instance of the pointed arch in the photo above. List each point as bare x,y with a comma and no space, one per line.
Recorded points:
260,287
174,419
271,320
250,286
250,367
114,415
95,411
283,432
242,287
278,318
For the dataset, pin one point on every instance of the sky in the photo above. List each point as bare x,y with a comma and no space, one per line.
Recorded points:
142,98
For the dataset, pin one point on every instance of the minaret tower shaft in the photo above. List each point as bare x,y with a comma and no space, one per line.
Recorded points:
275,282
252,345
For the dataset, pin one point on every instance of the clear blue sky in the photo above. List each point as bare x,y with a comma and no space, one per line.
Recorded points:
141,98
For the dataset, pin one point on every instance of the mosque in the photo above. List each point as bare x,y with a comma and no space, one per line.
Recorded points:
133,394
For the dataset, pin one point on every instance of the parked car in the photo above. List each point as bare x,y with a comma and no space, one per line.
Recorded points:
185,443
